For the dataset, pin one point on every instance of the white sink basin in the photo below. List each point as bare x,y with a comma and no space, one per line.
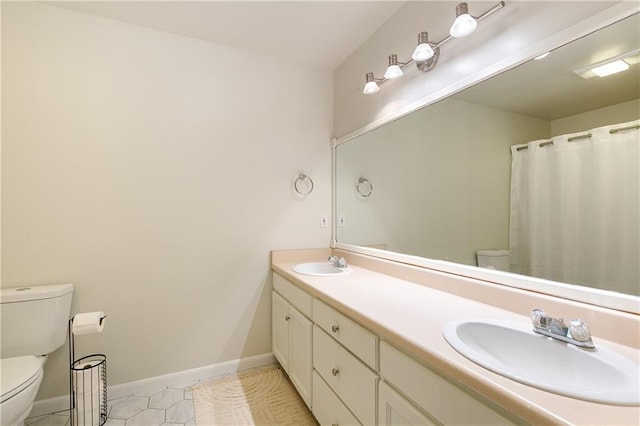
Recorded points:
320,269
513,350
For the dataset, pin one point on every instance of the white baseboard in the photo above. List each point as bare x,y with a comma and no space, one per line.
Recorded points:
144,386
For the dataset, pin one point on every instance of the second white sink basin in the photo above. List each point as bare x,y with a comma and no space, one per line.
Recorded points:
320,269
513,350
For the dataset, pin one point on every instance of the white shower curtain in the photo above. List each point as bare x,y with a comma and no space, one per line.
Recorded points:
575,209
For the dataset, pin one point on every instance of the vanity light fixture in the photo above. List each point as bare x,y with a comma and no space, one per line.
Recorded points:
610,66
426,53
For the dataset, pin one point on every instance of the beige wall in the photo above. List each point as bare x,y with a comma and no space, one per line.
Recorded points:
441,190
155,172
620,113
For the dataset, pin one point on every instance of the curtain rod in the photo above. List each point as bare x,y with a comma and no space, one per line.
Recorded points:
585,136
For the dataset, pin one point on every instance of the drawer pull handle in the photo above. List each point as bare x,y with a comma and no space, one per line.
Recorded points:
287,318
335,371
334,424
335,328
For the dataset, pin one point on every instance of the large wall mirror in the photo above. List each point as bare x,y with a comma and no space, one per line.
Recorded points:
443,182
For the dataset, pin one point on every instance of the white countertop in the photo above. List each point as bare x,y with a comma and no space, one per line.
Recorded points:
411,316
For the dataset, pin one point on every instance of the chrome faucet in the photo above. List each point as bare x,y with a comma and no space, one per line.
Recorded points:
577,333
338,262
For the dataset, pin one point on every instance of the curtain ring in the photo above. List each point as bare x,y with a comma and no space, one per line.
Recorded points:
368,187
302,178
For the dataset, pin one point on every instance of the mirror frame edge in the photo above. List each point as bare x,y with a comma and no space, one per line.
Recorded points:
593,296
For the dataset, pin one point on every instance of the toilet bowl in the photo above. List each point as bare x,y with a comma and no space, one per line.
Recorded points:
21,377
493,259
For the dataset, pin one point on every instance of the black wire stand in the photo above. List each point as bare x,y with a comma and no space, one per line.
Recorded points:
87,387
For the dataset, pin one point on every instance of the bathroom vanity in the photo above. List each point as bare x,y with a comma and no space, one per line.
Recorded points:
367,347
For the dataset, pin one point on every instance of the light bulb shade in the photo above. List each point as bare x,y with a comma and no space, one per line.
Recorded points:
393,71
371,86
464,24
422,52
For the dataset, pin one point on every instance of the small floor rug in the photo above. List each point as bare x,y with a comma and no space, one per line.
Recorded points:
261,397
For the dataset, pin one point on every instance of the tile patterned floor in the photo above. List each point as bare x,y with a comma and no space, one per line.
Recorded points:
171,406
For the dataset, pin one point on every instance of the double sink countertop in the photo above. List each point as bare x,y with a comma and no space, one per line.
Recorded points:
410,315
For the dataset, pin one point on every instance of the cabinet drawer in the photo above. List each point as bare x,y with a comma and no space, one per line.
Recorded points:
349,378
327,408
295,295
435,395
351,335
393,409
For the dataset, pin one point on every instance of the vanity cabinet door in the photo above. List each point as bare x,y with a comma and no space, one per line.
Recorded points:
292,337
280,334
300,364
394,410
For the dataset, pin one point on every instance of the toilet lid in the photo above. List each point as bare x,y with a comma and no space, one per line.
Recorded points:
18,373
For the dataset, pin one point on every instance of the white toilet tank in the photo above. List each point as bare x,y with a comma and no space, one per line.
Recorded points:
34,319
493,259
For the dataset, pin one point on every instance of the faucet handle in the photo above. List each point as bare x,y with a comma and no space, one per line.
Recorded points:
536,318
579,331
339,262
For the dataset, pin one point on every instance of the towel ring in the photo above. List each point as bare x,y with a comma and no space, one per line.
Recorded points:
364,187
300,179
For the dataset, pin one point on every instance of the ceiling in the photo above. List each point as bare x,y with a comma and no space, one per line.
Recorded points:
312,33
549,89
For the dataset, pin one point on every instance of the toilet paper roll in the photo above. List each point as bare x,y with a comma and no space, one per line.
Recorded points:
88,323
84,415
86,418
88,388
86,376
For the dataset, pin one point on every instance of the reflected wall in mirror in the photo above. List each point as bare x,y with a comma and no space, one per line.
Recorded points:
441,177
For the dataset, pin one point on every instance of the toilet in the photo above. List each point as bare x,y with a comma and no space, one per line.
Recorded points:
493,259
34,323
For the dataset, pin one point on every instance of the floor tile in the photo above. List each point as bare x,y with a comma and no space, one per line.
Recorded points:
64,416
148,417
166,398
152,391
52,420
182,412
148,409
114,401
185,385
32,420
129,407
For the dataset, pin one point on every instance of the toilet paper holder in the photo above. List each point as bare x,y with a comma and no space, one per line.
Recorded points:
87,382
